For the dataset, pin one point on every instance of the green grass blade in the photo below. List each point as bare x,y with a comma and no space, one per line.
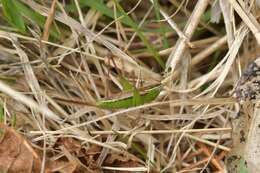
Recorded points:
37,18
13,121
2,116
2,132
134,146
149,47
162,28
214,60
102,8
13,15
97,5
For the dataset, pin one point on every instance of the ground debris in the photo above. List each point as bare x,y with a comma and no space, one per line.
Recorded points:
248,86
16,154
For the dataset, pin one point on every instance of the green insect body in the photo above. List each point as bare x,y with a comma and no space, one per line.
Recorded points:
135,100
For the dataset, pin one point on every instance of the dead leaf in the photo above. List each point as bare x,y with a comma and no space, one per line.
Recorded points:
91,156
16,154
72,145
112,158
120,160
63,166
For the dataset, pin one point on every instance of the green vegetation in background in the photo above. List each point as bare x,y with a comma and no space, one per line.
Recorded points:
15,13
201,31
215,59
150,48
206,16
97,5
102,8
212,64
242,166
134,146
162,28
137,148
2,116
2,132
9,79
13,121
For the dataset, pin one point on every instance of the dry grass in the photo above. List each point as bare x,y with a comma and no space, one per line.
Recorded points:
52,85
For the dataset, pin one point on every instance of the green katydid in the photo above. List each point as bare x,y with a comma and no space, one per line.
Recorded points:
135,99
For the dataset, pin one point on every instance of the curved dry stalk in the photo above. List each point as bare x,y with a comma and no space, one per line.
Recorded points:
189,29
120,132
28,102
147,73
248,18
